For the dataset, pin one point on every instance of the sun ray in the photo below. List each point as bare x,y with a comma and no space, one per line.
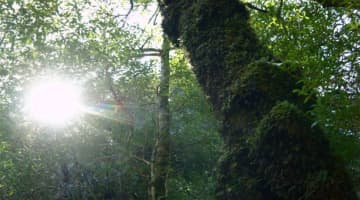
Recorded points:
108,111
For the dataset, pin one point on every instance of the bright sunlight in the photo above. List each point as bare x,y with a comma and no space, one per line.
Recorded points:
53,102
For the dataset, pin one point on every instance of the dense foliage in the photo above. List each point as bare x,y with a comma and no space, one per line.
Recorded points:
300,52
323,44
106,153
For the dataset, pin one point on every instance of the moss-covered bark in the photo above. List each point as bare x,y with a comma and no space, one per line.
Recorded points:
352,4
271,151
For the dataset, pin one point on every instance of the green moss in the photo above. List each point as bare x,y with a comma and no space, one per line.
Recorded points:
219,26
236,179
235,71
260,85
294,160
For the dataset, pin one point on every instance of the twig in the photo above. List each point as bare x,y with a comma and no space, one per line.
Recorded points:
278,15
154,16
128,12
146,41
131,8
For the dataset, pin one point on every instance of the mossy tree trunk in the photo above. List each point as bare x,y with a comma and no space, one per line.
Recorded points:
161,154
352,4
271,150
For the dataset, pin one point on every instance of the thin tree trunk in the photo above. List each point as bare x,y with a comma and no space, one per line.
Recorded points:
161,154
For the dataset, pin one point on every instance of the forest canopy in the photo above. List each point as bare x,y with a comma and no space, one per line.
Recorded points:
117,100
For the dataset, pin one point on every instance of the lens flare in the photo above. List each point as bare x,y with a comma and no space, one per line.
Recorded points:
53,102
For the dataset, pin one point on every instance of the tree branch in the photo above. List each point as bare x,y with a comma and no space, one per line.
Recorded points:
150,50
148,54
145,42
141,159
116,157
278,14
155,15
251,6
128,12
131,8
114,93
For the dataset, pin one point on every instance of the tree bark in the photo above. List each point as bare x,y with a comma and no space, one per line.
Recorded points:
161,155
271,149
352,4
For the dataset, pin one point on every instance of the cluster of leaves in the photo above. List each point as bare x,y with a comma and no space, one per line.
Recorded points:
322,43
